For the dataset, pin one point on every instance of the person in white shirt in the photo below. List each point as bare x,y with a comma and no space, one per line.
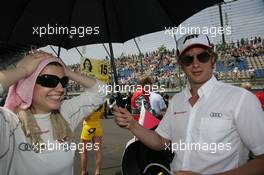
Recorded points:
235,72
212,126
251,71
36,127
157,104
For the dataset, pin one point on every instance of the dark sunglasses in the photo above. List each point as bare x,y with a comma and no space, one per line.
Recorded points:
188,59
51,81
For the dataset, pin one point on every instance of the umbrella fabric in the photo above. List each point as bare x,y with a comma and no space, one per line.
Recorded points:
25,21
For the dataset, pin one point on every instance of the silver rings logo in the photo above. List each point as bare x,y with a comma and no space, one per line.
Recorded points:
216,114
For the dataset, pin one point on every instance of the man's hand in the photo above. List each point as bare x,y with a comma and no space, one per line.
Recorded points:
123,117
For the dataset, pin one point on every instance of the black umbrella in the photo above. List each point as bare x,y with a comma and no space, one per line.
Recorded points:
26,21
73,23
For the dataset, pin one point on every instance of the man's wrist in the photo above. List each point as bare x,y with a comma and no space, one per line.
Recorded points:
133,124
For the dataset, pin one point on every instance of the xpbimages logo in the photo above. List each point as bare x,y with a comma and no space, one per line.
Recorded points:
186,146
130,88
213,31
72,31
64,146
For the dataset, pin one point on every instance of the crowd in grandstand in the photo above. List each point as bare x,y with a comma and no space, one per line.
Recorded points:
241,59
162,65
244,59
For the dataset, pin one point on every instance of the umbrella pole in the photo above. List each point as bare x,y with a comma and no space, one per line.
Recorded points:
110,62
175,39
112,58
53,49
119,100
79,52
57,53
110,44
141,55
106,51
59,50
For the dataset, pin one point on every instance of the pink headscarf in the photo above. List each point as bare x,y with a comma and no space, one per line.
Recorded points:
20,94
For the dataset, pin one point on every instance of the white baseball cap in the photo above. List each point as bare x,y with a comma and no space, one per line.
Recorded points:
189,40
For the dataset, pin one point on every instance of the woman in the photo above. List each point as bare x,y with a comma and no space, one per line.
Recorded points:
92,133
86,67
35,125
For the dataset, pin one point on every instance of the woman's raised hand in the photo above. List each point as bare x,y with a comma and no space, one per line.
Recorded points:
30,62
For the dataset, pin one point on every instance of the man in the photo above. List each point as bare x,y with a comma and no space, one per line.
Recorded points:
157,104
251,71
246,85
211,125
141,94
166,99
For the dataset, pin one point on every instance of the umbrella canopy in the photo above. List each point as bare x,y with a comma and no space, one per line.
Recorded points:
10,54
74,23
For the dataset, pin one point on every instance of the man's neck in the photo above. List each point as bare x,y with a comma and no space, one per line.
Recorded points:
193,100
194,89
194,92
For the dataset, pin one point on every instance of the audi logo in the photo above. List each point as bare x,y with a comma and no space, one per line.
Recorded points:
27,147
215,114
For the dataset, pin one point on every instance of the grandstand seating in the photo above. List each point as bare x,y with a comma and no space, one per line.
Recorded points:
243,65
259,73
125,73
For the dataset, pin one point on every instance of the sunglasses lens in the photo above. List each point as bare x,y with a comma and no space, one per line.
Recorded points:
51,81
48,81
203,57
64,81
186,60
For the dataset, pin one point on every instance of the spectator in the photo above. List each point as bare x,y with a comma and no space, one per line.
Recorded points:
204,114
157,104
35,118
251,71
92,133
246,85
141,95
